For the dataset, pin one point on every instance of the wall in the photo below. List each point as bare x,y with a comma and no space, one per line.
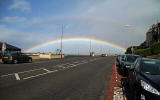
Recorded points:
43,56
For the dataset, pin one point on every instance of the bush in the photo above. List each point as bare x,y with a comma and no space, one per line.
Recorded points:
143,52
155,48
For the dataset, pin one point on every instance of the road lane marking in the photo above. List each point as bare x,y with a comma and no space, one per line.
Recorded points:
40,74
20,72
61,66
6,75
46,70
76,62
17,76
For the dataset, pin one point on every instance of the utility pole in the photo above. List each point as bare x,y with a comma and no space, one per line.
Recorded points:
101,50
158,28
78,51
61,43
90,48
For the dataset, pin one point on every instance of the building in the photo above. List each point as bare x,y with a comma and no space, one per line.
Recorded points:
9,48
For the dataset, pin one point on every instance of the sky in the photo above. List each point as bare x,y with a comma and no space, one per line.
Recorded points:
26,23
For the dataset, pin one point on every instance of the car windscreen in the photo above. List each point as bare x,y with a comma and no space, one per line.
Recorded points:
150,67
122,56
131,59
10,53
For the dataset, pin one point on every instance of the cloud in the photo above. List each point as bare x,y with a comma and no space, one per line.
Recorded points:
15,19
121,22
24,39
22,5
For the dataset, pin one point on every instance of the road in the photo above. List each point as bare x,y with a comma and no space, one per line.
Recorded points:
73,78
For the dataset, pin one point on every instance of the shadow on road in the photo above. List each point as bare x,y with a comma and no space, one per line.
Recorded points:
126,89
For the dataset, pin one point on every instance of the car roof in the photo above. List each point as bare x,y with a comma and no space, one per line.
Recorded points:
149,59
131,55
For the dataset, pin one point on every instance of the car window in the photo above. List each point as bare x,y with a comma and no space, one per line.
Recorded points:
10,53
137,65
131,58
151,67
135,62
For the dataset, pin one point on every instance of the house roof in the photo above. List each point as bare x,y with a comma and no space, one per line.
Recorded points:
10,47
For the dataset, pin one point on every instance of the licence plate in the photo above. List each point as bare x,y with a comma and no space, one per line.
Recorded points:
5,57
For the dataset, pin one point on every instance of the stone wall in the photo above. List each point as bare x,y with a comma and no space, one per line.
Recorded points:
43,56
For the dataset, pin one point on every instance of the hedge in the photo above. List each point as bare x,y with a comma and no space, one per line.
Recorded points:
143,52
155,48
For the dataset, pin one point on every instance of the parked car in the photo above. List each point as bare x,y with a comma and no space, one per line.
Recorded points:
127,61
118,60
15,58
92,54
104,55
144,79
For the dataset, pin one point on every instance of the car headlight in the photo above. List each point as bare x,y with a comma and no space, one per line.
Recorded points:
149,88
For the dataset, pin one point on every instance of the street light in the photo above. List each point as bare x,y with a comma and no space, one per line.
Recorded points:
61,42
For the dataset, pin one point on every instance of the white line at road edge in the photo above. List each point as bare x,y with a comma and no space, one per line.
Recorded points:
17,76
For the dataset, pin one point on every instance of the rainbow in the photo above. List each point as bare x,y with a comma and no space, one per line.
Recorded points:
76,39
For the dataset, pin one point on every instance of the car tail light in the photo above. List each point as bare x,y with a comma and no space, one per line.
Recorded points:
10,57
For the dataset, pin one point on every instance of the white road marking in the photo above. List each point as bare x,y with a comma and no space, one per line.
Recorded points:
73,64
46,70
21,72
76,62
30,70
118,94
40,74
17,76
6,75
61,66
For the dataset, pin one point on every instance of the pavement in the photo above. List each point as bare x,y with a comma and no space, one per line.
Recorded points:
72,78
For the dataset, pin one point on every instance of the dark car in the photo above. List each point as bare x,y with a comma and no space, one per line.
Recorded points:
118,60
128,60
144,79
104,55
15,58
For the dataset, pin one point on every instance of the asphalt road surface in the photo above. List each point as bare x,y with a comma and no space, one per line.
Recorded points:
73,78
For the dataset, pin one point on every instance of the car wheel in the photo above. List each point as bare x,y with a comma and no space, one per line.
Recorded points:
29,60
15,61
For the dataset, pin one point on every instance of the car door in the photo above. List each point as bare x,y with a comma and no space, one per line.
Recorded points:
133,72
21,58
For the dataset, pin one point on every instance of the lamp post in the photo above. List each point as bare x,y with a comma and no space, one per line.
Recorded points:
90,48
61,43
